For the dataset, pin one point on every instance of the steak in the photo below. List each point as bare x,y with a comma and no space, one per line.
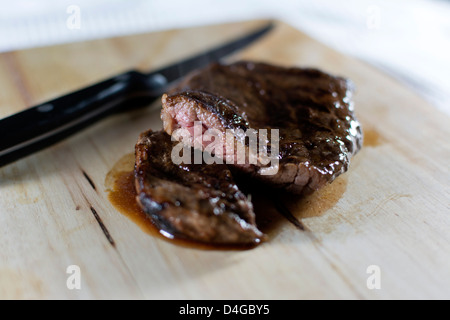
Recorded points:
312,110
191,201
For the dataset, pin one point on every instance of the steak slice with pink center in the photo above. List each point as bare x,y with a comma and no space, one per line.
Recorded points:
312,111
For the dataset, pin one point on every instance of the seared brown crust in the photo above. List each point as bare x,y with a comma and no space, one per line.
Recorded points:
191,201
312,109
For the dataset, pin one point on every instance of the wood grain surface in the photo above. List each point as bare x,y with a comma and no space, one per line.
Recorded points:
391,209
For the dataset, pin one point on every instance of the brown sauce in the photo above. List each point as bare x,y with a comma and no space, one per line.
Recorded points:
317,203
121,190
372,138
119,183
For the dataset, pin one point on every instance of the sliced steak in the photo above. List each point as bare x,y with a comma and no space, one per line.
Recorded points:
191,201
313,111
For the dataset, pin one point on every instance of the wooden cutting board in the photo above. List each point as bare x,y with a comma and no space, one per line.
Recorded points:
391,210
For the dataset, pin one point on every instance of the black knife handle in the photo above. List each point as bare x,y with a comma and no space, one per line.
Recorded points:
40,126
45,124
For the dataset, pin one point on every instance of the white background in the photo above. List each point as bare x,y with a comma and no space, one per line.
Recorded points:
410,39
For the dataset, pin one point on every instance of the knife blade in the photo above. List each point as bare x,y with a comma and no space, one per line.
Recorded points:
45,124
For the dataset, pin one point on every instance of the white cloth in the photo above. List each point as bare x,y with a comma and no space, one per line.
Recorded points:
410,39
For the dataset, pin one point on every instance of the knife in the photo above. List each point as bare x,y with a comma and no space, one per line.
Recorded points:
45,124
